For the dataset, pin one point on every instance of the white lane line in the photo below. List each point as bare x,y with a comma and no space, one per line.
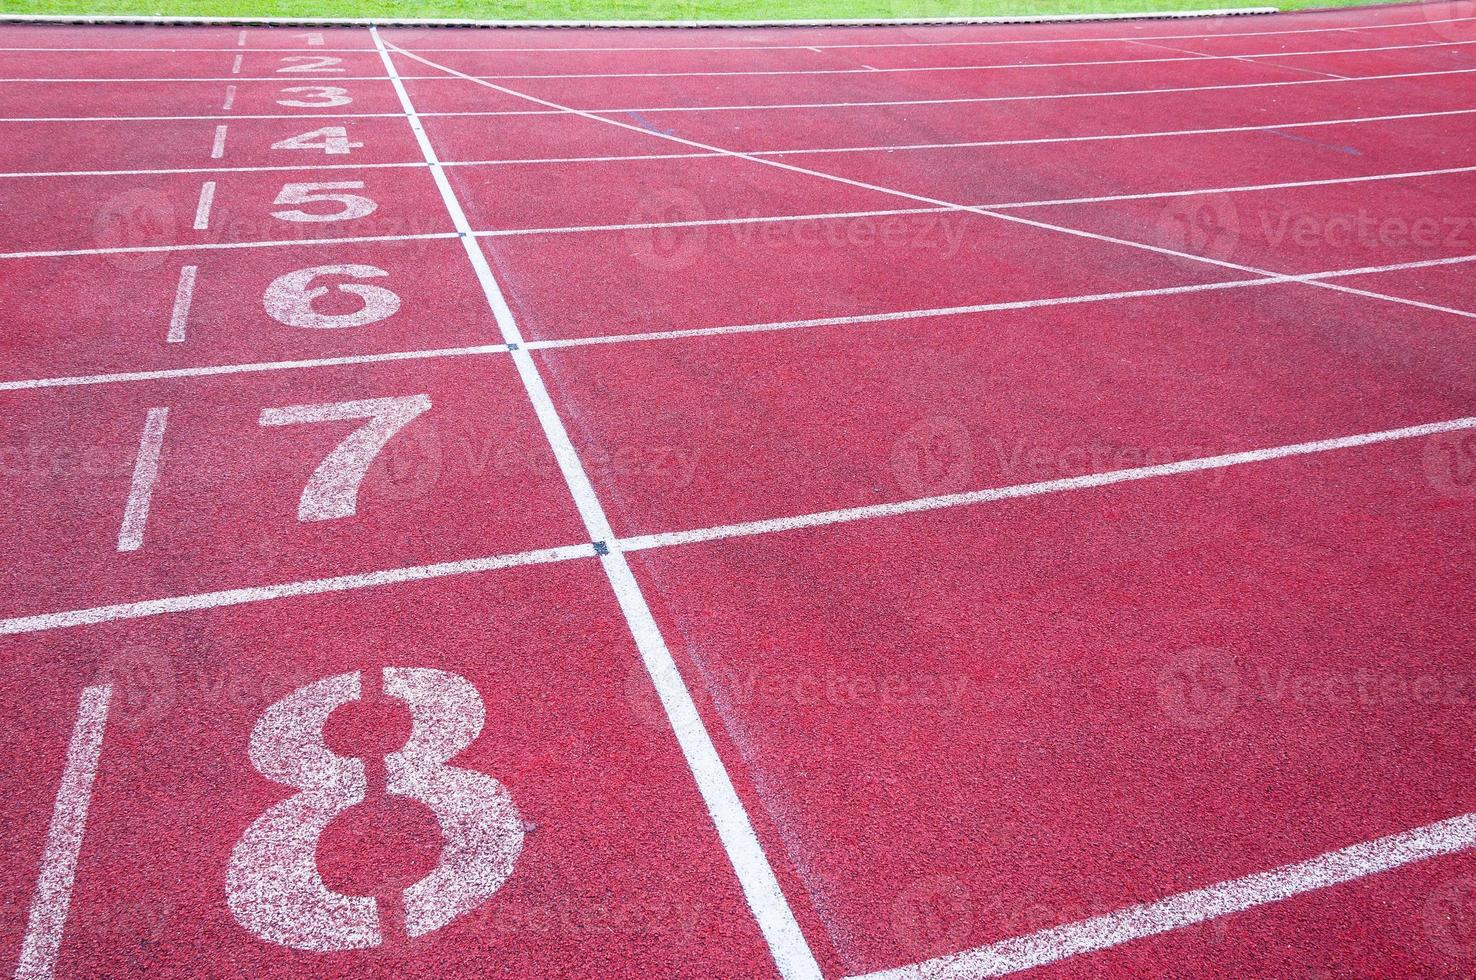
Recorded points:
214,79
206,246
206,202
1002,215
306,168
1447,837
966,100
217,149
177,604
236,65
900,315
846,515
819,47
961,144
213,370
265,593
184,296
708,152
225,114
744,220
796,71
145,475
756,877
914,69
1000,206
53,897
240,42
776,326
230,100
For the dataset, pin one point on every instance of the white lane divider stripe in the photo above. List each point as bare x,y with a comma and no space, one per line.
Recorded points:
145,475
1441,839
756,877
184,297
53,897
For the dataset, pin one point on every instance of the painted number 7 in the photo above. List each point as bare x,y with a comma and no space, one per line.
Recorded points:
333,490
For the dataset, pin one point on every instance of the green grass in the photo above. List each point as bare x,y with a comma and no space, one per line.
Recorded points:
632,9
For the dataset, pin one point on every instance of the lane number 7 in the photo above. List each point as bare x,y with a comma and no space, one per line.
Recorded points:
333,490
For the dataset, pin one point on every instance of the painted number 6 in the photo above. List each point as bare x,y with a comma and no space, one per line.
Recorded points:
289,300
273,886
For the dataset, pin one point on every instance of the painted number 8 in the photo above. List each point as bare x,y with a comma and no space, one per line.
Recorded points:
273,886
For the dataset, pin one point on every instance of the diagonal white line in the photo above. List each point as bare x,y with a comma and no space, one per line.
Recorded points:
952,205
53,897
266,593
212,370
816,47
658,335
756,877
965,100
914,69
846,515
1447,837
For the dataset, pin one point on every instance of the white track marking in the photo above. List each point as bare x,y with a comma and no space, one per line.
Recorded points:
1453,836
53,898
215,79
821,47
859,318
1002,215
184,296
236,65
756,219
307,168
217,149
967,100
214,370
212,600
915,69
962,144
230,100
145,475
848,514
708,151
1000,206
766,899
1250,56
332,492
206,202
208,246
240,41
265,593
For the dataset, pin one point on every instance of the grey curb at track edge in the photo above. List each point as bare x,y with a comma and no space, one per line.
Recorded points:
397,22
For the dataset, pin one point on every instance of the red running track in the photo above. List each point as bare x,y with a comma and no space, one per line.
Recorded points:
838,502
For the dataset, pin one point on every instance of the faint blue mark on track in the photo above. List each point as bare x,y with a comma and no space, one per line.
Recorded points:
644,123
1350,150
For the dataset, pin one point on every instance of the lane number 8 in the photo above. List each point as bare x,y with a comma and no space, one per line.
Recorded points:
273,886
